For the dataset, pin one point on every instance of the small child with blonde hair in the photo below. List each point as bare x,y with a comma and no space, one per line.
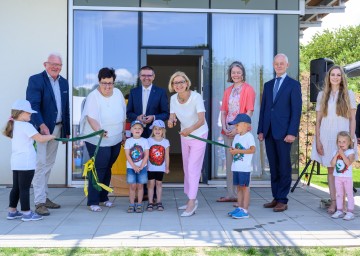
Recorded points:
23,159
159,161
342,163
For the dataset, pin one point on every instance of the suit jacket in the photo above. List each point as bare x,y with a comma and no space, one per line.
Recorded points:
157,105
282,115
42,99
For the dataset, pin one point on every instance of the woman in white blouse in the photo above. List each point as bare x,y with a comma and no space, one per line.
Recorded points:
188,107
104,109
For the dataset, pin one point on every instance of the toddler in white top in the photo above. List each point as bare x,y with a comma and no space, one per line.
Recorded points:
158,163
342,163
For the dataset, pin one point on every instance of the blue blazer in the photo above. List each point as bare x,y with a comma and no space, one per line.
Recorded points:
42,99
157,105
282,115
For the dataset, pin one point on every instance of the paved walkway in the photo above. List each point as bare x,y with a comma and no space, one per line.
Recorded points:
303,224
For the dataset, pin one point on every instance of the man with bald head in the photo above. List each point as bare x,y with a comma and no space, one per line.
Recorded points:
48,93
279,122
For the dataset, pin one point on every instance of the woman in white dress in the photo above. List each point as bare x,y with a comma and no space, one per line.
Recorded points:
335,112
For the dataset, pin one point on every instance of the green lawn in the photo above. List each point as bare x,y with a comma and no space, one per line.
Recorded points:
211,251
321,180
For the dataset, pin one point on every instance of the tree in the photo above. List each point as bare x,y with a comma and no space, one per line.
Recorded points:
341,45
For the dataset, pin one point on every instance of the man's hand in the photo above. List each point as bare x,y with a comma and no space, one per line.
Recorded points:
44,130
148,119
289,138
261,136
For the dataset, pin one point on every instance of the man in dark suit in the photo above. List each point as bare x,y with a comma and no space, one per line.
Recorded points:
279,122
48,93
147,102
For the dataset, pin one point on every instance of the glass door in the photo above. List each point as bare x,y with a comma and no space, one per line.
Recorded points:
194,62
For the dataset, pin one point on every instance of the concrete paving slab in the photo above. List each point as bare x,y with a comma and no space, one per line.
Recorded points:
303,224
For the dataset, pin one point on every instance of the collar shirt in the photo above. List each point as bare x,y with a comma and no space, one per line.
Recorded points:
145,97
56,89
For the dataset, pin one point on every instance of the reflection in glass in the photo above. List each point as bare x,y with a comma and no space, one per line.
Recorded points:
249,39
175,29
101,39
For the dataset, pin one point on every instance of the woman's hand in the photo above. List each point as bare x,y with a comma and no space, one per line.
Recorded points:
185,132
172,122
319,148
230,133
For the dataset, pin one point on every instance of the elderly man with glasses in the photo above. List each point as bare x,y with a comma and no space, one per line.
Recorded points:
48,93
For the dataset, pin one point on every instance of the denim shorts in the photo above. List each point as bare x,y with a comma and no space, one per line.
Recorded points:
136,178
241,179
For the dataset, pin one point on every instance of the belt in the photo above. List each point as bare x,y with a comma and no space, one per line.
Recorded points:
58,123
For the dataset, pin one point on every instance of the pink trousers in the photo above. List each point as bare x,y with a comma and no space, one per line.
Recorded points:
193,152
344,184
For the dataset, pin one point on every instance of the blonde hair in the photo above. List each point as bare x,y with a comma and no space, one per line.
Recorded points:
163,132
9,128
176,74
343,100
345,134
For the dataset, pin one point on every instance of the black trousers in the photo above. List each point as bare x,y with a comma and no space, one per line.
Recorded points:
21,189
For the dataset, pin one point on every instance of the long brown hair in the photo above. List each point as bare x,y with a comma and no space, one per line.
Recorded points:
343,100
9,128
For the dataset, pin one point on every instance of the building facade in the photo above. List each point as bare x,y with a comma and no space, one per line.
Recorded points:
199,37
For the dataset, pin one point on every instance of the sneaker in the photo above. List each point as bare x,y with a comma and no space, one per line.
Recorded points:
240,215
338,214
234,211
31,216
14,215
51,205
42,210
349,216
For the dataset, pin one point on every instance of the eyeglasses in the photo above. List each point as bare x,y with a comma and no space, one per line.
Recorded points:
107,84
179,82
54,64
146,76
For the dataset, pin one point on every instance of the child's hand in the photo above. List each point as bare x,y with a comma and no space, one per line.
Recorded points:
341,152
232,151
167,171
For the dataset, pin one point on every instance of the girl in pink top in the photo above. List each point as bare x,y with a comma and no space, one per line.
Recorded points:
239,98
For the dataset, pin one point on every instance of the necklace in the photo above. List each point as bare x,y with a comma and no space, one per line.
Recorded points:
183,100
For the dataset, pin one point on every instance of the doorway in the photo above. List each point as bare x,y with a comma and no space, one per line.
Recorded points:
165,63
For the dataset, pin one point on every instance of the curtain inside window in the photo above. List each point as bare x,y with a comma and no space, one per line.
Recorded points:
249,39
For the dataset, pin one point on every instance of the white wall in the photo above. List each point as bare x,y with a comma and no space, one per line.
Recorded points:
29,30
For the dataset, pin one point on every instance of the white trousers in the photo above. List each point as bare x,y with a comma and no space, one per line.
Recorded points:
45,159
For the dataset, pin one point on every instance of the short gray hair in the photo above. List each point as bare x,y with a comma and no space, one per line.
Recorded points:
55,54
282,55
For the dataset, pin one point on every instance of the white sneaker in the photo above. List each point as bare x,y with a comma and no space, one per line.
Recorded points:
349,216
338,214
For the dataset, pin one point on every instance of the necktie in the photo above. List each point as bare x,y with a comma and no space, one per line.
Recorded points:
276,87
145,100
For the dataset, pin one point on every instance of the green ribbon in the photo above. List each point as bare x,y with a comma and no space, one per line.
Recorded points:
209,141
81,137
90,173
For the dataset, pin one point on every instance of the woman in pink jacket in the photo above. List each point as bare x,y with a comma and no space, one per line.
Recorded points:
239,98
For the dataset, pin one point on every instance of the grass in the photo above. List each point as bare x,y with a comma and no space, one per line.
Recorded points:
211,251
321,180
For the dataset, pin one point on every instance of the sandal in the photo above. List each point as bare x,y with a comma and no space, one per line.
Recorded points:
107,204
139,208
95,208
150,207
131,208
160,207
332,207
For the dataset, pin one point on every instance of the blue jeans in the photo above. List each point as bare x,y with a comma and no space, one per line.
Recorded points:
105,158
136,178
